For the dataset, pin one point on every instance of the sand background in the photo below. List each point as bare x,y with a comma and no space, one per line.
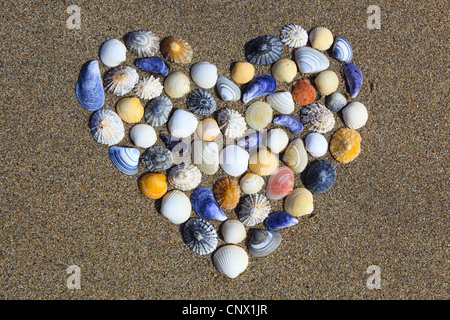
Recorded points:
64,203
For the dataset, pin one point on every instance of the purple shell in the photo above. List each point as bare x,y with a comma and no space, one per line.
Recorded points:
259,86
289,122
280,220
354,78
249,141
206,206
173,144
154,65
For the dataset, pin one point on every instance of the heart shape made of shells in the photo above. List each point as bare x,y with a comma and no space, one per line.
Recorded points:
255,152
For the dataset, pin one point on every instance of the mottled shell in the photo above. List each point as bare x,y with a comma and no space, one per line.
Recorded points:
317,118
321,38
284,70
231,123
233,231
107,127
201,102
280,183
251,183
295,156
143,135
184,176
200,236
263,50
176,207
142,43
177,84
205,155
254,209
148,88
157,158
231,260
153,185
327,82
157,111
176,50
130,110
277,140
282,102
336,101
208,129
316,144
303,93
355,115
204,74
113,52
345,145
258,115
294,36
121,80
227,193
242,72
263,242
299,202
263,163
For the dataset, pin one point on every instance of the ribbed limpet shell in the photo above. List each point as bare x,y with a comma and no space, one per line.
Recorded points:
227,193
157,158
157,111
200,236
317,118
184,176
254,209
345,145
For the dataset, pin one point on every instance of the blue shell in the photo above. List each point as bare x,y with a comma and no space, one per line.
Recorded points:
174,144
336,101
354,78
263,50
342,50
320,177
154,65
280,220
201,102
200,236
89,88
125,159
250,141
206,206
290,122
157,111
259,86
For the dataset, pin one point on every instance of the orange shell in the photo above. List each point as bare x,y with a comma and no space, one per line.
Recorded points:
303,92
176,50
345,145
153,185
263,163
227,193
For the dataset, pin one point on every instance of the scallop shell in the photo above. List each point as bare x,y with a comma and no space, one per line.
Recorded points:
310,60
316,144
107,127
228,90
277,140
182,123
231,260
284,70
204,74
321,38
320,177
336,101
205,155
289,122
142,43
89,87
345,145
280,220
148,88
263,242
299,202
176,207
157,158
157,111
263,50
176,50
317,118
234,160
303,93
327,82
249,141
280,184
354,79
233,231
201,102
254,209
184,176
112,53
177,84
206,206
295,156
154,65
208,129
259,86
130,110
251,183
282,102
231,123
153,185
263,163
143,135
355,115
294,36
342,50
121,80
125,159
173,144
258,115
200,236
227,193
242,72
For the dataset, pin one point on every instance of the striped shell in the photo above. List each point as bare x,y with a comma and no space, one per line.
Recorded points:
205,155
157,111
148,88
258,115
294,36
200,236
184,176
107,127
280,184
251,183
295,156
254,209
263,242
263,50
228,90
231,123
176,50
130,110
282,102
201,102
142,43
227,193
299,202
121,80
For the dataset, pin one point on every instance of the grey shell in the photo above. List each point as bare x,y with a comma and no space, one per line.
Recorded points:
157,158
263,242
201,102
200,236
264,50
157,111
320,176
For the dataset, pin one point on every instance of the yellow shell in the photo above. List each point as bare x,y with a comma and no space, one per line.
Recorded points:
345,145
227,193
130,110
208,129
153,185
295,156
242,72
284,70
259,115
321,38
176,50
299,202
251,183
263,163
327,82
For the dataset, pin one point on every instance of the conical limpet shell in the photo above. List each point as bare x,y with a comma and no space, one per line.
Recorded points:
294,36
317,118
143,43
107,127
130,110
200,236
89,87
299,202
231,260
251,183
176,207
153,185
232,123
263,50
345,145
254,209
263,242
176,50
121,80
227,193
320,177
184,176
148,88
201,102
157,111
157,158
295,156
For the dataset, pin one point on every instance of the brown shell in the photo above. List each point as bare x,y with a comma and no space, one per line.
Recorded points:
227,193
345,145
176,50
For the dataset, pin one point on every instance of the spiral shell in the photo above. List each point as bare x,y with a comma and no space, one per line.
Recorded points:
121,80
153,185
143,43
263,50
254,209
176,50
295,156
107,127
258,115
251,183
345,145
184,176
227,193
130,110
299,202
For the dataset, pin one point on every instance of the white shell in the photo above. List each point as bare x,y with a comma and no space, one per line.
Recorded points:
143,135
113,52
182,123
184,176
148,88
107,127
231,260
277,140
282,102
234,160
177,84
254,209
316,144
205,155
228,90
232,123
251,183
233,231
176,207
294,36
310,60
142,43
121,80
355,115
204,74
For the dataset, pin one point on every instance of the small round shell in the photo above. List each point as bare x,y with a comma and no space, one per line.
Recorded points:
184,176
284,70
153,185
148,88
113,52
234,160
227,193
231,123
254,209
143,135
242,72
204,74
316,144
121,80
355,115
280,184
263,50
176,50
294,36
317,118
251,183
182,123
157,158
258,115
177,84
157,111
321,38
201,102
299,202
176,207
107,127
263,163
200,236
233,231
277,140
205,155
327,82
208,129
231,260
345,145
130,110
303,92
142,43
